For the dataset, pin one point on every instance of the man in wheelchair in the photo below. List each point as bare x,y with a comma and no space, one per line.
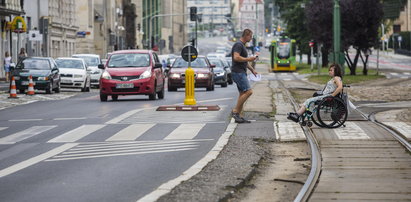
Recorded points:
333,88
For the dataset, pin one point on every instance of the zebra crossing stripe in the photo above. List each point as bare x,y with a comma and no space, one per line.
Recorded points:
350,131
22,135
77,133
289,131
132,132
3,128
36,159
185,131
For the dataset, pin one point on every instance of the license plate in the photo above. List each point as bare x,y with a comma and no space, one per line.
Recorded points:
25,83
65,81
125,85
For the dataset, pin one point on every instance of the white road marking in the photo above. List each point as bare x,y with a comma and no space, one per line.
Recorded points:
63,119
288,131
193,170
132,132
350,131
401,127
36,159
185,131
3,128
22,135
77,133
125,115
15,120
120,154
115,148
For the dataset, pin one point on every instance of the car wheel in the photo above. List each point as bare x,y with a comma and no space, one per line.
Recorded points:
84,89
114,97
160,94
88,87
22,91
230,80
57,90
49,89
103,97
172,89
210,88
152,96
224,85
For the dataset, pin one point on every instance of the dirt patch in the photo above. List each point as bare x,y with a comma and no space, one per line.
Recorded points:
280,175
404,116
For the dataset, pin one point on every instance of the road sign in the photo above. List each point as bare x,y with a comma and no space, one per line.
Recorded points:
189,51
34,35
399,38
257,49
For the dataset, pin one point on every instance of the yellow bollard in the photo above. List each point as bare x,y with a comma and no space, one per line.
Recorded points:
189,99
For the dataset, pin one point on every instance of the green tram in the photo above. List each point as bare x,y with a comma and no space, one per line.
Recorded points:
283,54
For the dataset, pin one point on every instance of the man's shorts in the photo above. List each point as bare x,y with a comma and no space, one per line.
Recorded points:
241,80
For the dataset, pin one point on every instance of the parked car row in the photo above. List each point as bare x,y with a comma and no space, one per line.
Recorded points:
79,71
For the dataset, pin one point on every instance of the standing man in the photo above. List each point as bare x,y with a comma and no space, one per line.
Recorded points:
239,73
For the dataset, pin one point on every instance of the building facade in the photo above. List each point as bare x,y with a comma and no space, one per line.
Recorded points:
10,41
84,11
213,14
62,29
403,23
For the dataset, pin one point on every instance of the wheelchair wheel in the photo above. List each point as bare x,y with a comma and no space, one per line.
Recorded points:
332,112
314,118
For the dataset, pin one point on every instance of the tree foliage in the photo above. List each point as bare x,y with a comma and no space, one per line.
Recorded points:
360,21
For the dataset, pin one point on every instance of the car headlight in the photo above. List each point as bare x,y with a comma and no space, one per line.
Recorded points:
202,75
95,72
220,73
175,76
146,74
16,78
78,76
42,78
106,75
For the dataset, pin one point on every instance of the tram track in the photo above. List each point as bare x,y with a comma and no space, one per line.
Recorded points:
313,179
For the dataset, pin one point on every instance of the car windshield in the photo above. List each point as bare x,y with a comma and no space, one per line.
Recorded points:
129,60
34,63
217,63
90,60
181,63
67,63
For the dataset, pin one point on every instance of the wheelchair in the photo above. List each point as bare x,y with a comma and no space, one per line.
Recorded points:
329,112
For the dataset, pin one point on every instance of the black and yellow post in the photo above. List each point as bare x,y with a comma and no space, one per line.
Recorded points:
190,85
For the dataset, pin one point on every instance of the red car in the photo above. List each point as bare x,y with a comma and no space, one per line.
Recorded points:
203,71
132,72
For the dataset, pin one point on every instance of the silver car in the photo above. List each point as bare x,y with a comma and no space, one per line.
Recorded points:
92,61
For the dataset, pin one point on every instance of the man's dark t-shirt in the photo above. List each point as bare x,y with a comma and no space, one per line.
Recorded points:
239,67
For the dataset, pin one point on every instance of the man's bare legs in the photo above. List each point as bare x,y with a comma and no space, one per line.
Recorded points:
241,100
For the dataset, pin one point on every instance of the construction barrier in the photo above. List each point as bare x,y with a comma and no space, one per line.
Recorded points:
13,89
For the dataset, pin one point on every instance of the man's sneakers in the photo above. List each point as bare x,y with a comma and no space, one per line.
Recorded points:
293,116
238,119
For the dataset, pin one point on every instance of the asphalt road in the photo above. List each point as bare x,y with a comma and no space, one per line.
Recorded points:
81,149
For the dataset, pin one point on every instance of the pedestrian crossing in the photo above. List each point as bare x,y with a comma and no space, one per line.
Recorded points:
91,132
111,149
403,75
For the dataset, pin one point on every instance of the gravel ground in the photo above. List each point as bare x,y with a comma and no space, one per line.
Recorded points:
222,177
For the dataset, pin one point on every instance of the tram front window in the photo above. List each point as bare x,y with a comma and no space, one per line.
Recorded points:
284,50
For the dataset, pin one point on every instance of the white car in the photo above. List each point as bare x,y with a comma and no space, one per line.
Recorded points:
73,73
92,61
216,55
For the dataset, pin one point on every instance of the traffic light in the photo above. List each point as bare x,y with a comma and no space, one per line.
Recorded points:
193,13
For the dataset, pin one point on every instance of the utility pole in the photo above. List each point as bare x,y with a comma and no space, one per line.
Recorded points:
256,23
337,55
